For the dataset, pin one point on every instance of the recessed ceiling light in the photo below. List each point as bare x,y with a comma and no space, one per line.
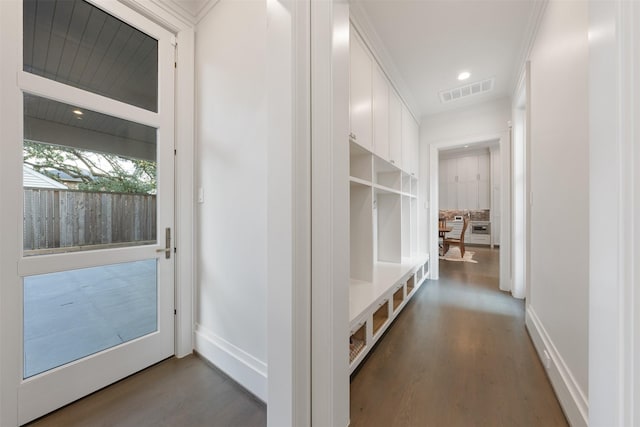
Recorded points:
466,146
78,112
464,75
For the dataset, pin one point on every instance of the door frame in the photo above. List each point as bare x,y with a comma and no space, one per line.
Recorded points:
505,200
184,141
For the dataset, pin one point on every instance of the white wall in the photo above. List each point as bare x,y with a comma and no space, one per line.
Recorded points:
483,119
231,161
557,311
479,123
614,169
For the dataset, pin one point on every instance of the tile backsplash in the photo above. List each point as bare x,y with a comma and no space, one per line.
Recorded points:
475,214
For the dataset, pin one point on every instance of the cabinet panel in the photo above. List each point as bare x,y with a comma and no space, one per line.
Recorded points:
416,148
451,194
380,114
467,168
484,195
468,195
407,155
360,96
484,167
395,129
452,170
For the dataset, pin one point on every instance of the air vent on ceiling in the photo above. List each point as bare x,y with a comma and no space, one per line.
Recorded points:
467,90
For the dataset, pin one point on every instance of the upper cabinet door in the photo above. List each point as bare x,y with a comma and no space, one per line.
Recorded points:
468,169
380,114
360,111
409,142
415,148
395,129
484,167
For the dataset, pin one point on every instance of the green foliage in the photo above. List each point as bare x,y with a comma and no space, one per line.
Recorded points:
94,171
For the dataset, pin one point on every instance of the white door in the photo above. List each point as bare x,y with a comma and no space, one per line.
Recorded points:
96,274
395,128
380,114
360,96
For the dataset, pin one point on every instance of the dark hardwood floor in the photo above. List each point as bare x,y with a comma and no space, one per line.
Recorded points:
458,355
174,393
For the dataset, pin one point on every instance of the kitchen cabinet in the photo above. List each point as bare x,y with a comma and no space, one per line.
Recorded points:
380,114
467,182
360,93
395,129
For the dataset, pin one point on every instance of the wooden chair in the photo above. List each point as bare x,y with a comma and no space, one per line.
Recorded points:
442,224
457,242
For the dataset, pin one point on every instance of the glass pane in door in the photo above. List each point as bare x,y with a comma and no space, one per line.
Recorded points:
89,179
78,44
72,314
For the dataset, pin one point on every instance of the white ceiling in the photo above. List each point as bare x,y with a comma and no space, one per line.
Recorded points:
424,44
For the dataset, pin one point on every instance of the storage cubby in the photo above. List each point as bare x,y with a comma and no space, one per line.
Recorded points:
419,275
425,269
406,183
387,175
411,284
380,317
357,342
414,186
389,217
406,227
398,297
361,239
413,208
360,163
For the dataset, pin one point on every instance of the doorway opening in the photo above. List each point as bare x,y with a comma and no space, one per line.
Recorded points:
469,209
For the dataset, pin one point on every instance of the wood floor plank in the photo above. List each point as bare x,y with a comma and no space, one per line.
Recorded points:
458,355
177,392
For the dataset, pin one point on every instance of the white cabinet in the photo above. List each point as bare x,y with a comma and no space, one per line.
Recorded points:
410,136
466,183
395,129
360,93
484,181
380,114
385,266
467,168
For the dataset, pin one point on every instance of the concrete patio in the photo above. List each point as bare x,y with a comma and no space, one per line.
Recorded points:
73,314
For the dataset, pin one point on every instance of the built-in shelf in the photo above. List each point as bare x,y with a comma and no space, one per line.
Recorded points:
380,317
364,294
411,284
398,297
356,180
360,163
357,342
384,229
382,189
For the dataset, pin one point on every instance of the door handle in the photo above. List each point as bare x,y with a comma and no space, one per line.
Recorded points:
167,244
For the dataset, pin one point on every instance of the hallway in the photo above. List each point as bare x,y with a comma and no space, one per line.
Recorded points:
458,355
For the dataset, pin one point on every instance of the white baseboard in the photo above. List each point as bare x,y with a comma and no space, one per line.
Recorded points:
242,367
572,399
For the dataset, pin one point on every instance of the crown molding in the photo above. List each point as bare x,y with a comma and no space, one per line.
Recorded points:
531,33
